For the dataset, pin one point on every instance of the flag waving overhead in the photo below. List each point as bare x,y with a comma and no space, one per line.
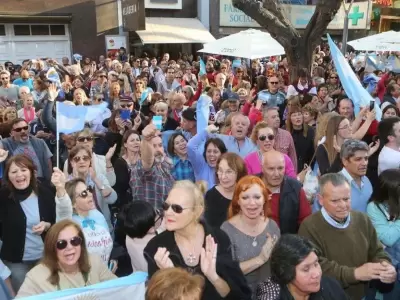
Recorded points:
131,287
351,85
71,119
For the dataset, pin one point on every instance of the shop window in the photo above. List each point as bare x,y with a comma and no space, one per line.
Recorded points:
40,30
2,30
57,29
22,30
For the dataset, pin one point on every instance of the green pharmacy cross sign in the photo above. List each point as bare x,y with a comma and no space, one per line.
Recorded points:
356,15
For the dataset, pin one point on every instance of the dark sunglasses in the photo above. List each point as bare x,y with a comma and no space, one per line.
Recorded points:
99,99
273,82
74,242
83,139
333,77
85,193
176,208
126,105
25,128
262,138
84,158
4,78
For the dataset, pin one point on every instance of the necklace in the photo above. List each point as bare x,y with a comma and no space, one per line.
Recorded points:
255,242
191,258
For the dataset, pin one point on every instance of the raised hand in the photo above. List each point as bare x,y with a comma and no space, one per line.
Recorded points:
110,152
58,178
53,92
208,258
3,155
149,131
162,258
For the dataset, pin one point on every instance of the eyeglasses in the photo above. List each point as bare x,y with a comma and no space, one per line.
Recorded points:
99,99
25,128
74,242
102,76
176,208
334,77
274,82
126,105
84,158
83,139
228,173
85,193
262,138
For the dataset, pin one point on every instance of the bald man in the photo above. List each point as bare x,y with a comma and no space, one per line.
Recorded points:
289,205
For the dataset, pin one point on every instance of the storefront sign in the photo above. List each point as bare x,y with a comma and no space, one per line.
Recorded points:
114,42
164,4
133,15
299,15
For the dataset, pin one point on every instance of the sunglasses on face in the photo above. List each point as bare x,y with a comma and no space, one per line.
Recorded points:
126,105
85,193
99,99
83,139
176,208
84,158
273,82
333,77
74,242
25,128
262,138
4,78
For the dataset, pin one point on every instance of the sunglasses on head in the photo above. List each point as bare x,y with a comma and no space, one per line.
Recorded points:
74,242
176,208
126,105
83,139
25,128
262,138
84,158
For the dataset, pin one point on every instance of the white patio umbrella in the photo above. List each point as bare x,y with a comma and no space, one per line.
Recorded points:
385,41
250,44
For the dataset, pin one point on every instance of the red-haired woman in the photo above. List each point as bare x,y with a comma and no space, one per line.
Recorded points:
252,233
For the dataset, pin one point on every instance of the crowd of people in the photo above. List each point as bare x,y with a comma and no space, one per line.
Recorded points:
233,182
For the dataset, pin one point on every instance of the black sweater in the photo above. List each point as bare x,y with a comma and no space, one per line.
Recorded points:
304,147
227,269
216,208
323,161
13,220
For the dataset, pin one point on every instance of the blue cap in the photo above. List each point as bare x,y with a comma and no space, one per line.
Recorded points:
232,97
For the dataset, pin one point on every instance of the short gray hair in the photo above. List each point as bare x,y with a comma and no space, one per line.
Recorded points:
319,80
336,179
350,147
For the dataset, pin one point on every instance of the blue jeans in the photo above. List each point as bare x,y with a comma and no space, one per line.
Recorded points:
19,271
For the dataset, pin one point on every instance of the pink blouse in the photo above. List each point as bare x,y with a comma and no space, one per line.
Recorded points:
254,167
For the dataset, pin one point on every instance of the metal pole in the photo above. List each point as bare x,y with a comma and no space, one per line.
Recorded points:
346,25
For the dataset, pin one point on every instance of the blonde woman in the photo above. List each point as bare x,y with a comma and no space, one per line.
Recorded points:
27,112
192,244
115,91
80,97
168,123
9,114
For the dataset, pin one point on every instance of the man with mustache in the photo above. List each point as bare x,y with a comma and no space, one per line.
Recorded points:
151,178
21,142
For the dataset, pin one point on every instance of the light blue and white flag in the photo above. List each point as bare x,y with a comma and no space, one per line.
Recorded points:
144,96
203,112
351,85
131,287
202,70
71,119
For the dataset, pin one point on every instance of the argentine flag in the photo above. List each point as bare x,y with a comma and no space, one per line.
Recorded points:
71,119
131,287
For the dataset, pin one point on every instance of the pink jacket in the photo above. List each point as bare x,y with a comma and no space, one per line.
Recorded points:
253,165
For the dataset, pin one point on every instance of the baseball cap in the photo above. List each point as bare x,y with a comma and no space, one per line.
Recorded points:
189,114
233,97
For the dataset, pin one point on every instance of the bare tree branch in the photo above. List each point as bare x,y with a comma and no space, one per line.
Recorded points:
276,9
324,13
280,31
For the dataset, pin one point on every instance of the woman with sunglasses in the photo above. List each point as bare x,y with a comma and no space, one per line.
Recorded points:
252,233
66,263
75,201
193,245
80,159
27,210
334,87
101,164
263,136
137,224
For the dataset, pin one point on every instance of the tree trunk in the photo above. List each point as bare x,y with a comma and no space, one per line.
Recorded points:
299,57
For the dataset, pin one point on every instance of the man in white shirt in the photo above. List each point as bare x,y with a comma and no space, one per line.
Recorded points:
389,134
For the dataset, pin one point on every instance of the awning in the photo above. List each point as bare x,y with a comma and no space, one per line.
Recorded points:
174,31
